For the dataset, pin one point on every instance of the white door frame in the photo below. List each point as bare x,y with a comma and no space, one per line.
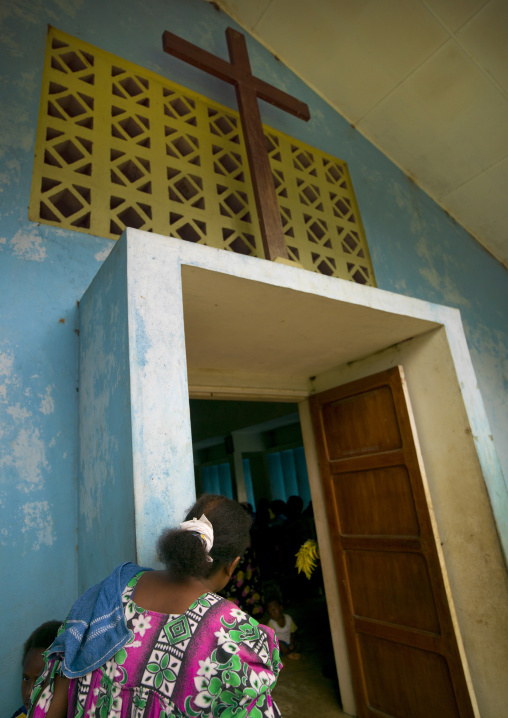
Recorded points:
195,314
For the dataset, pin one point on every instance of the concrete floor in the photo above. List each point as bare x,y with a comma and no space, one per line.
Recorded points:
309,686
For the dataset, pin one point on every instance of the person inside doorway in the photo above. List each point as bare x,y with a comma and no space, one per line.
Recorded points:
284,627
163,642
245,588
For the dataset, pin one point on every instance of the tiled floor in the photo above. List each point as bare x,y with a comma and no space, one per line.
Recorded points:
309,687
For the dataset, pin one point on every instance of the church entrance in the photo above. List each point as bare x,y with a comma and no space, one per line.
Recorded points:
253,451
212,326
256,341
399,631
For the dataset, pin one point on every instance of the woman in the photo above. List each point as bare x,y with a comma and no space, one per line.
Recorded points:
162,643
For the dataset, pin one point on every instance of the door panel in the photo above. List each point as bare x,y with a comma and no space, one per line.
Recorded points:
405,657
379,593
427,674
365,498
346,433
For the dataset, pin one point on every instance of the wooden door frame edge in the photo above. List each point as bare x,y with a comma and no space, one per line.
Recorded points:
342,659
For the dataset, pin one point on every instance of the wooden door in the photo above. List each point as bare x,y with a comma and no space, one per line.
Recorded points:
405,656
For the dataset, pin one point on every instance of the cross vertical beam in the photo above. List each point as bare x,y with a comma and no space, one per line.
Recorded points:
248,89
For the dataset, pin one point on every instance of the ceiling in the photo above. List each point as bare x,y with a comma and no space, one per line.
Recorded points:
269,330
426,81
212,421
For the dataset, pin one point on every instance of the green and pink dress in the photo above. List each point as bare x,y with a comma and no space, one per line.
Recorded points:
212,660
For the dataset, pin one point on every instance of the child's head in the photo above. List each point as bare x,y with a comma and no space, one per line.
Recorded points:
274,608
32,661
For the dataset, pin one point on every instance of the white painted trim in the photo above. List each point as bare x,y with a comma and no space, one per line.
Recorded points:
181,268
186,254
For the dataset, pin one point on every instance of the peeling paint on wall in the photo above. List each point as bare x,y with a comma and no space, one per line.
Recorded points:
18,412
28,458
103,254
39,523
35,11
488,348
445,286
47,404
400,195
6,362
28,245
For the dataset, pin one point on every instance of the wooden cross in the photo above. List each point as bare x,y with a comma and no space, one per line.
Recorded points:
248,90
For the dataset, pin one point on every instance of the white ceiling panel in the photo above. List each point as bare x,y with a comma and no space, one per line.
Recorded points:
425,80
431,122
486,38
483,207
351,44
455,13
249,12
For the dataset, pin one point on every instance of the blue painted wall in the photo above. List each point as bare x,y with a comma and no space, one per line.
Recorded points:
416,250
106,526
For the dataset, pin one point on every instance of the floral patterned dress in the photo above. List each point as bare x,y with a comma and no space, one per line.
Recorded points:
212,660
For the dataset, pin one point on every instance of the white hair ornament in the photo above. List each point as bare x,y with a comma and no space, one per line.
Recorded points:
203,529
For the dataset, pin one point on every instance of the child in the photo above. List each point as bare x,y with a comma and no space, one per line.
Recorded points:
284,628
33,662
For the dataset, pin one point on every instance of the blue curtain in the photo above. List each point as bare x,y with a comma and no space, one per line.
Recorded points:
302,476
288,474
287,471
217,480
248,482
276,475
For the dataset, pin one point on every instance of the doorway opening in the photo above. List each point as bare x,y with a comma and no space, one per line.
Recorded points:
253,452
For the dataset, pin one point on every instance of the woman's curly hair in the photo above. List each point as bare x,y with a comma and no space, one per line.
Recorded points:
183,552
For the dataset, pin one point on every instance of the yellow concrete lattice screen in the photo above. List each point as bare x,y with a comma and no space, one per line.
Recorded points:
119,146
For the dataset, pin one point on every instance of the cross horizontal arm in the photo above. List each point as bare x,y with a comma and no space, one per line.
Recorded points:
281,99
203,60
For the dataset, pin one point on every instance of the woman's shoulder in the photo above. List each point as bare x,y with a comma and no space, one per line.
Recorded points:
241,626
229,608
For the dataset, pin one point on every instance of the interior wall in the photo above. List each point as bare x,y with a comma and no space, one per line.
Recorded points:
260,477
219,418
470,545
254,427
417,250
